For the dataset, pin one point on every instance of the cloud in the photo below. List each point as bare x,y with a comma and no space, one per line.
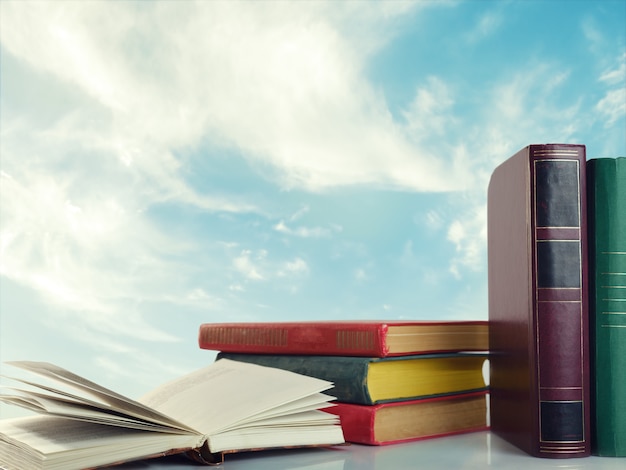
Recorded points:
433,220
112,109
134,90
612,106
617,74
82,254
300,213
525,100
249,268
306,232
429,113
469,236
295,267
103,104
486,26
239,73
259,266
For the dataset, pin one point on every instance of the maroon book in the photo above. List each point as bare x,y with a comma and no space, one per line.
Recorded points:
538,333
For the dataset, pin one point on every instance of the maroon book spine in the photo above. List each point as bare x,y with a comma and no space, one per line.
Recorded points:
538,301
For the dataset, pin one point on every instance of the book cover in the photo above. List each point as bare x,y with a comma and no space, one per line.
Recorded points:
538,298
606,191
223,408
391,423
370,380
346,338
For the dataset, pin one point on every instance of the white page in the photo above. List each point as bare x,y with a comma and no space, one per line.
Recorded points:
298,406
227,392
310,417
53,405
85,444
278,437
113,399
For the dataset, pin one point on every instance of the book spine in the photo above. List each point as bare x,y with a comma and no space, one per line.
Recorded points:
560,295
606,185
348,374
357,422
321,339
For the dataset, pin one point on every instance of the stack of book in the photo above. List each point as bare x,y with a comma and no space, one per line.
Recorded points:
557,301
394,381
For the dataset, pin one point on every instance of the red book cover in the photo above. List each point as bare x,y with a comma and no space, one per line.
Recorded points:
390,423
538,294
346,338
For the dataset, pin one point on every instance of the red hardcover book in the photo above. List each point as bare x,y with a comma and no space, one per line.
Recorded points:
404,421
539,354
346,338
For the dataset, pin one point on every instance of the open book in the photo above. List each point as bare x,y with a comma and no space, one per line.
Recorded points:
225,407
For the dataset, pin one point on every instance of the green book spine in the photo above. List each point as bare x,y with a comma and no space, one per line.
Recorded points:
606,186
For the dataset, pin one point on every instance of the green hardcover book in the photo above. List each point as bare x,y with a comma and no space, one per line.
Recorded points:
606,188
372,380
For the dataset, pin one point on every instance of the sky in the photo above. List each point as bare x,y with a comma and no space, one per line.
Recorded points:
165,164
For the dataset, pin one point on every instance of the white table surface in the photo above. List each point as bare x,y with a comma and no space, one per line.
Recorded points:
477,450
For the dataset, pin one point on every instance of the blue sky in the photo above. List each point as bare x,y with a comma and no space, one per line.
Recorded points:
165,164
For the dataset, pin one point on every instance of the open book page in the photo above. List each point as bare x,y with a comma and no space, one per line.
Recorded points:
257,406
73,444
229,392
286,411
306,418
295,435
90,393
69,408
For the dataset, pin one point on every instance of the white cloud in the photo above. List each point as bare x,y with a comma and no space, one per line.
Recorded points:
258,266
305,232
433,220
456,233
200,296
191,78
523,100
129,87
528,95
246,266
616,75
593,33
470,239
297,266
300,213
132,86
429,113
487,25
613,105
